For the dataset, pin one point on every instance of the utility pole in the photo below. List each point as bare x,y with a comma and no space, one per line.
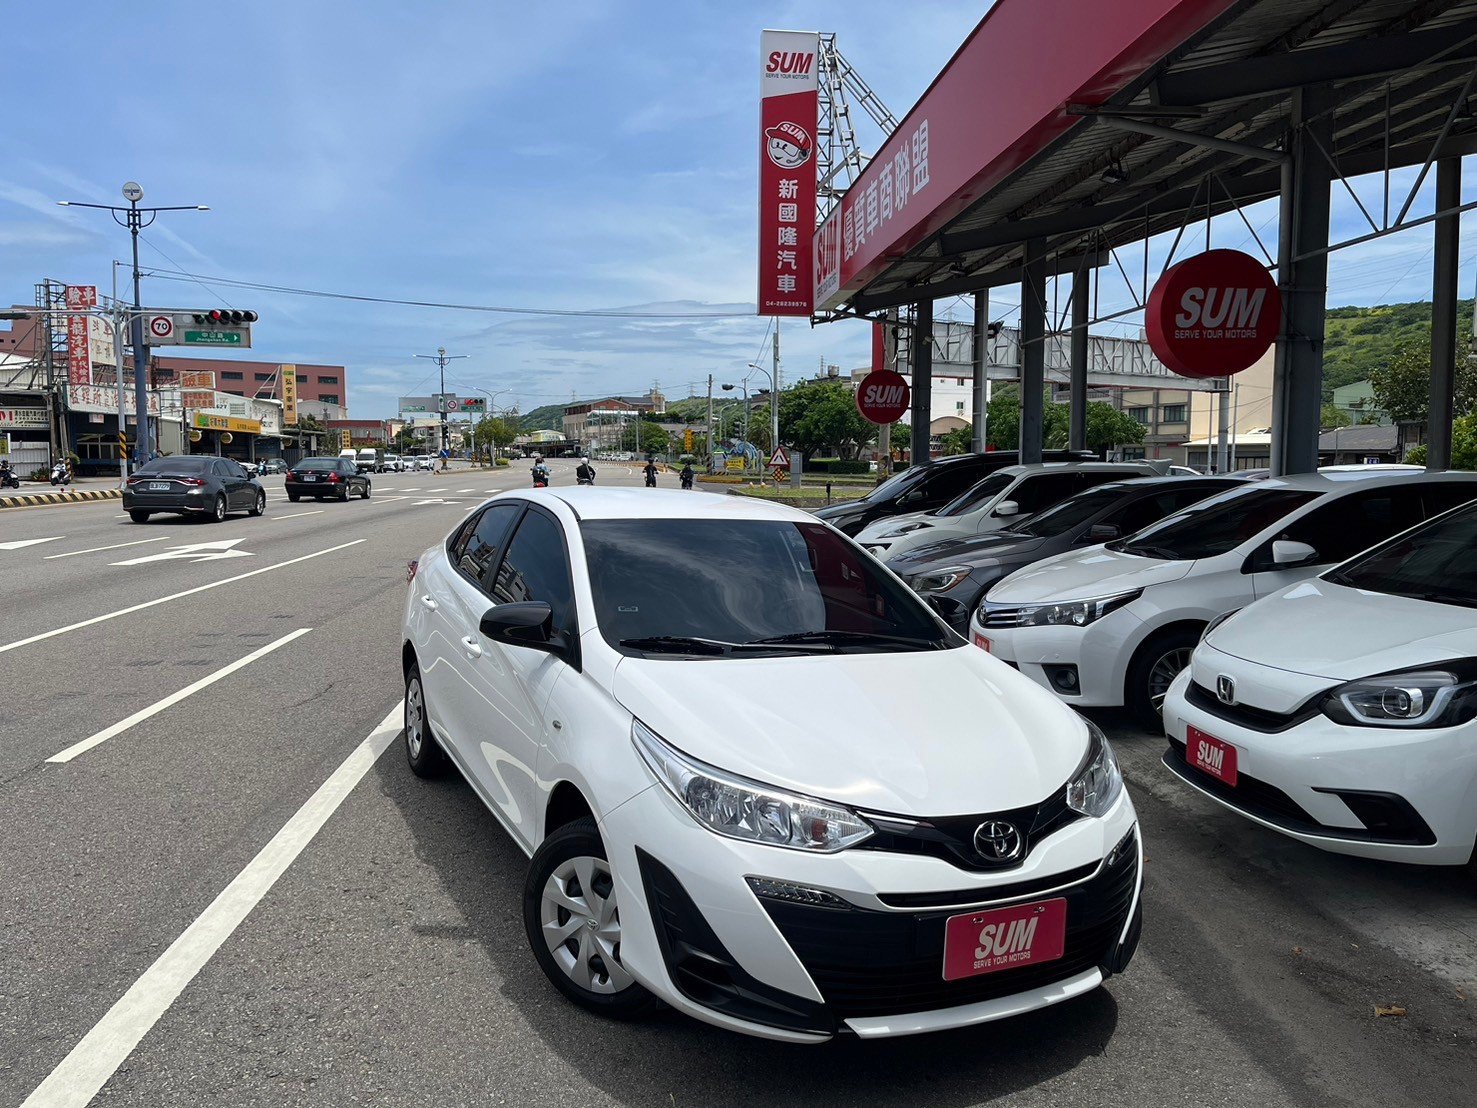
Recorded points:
135,222
441,357
710,422
774,397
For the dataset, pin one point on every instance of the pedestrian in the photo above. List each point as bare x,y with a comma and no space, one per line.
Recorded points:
688,475
650,472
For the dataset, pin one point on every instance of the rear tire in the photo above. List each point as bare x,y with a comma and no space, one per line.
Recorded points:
422,752
343,494
365,494
1153,668
294,497
260,507
575,931
218,513
139,517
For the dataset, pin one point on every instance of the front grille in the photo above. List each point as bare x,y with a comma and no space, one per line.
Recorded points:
868,963
1244,715
992,894
951,838
1002,615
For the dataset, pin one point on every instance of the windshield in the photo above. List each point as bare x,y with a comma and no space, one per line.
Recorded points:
991,487
1071,512
1216,527
198,463
1433,562
317,463
738,581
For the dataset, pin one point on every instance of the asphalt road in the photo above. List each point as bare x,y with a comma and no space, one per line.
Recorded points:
173,932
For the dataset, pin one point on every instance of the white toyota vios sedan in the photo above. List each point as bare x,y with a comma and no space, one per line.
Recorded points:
1342,711
756,776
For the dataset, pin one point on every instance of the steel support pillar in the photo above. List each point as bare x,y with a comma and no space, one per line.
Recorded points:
1443,316
981,369
1077,429
922,374
1033,349
1302,273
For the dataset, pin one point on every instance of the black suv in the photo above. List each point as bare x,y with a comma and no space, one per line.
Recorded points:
931,485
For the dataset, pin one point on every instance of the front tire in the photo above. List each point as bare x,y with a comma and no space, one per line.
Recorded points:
260,507
422,752
1157,663
572,918
139,517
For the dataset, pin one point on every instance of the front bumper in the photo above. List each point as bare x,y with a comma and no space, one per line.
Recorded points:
1414,792
869,962
1100,653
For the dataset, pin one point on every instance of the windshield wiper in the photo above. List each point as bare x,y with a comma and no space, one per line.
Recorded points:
840,638
1152,552
691,644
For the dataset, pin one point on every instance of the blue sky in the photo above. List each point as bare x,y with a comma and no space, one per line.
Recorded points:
571,155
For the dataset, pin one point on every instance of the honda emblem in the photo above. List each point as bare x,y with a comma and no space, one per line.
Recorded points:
1225,689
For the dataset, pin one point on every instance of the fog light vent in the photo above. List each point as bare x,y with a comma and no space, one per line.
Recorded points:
795,894
1063,678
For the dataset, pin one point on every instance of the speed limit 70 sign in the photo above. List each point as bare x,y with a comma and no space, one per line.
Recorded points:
160,330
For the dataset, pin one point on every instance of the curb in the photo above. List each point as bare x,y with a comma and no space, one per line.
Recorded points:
36,499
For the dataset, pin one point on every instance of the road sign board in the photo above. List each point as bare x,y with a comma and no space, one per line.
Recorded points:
445,401
780,474
161,330
212,338
780,459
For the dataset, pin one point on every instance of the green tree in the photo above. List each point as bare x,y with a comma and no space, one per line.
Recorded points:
1463,445
1402,385
649,438
330,442
1332,417
822,417
958,441
1107,427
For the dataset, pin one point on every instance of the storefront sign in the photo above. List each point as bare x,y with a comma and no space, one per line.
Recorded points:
194,400
288,374
883,397
789,95
23,418
79,355
104,398
81,297
208,421
1213,314
196,379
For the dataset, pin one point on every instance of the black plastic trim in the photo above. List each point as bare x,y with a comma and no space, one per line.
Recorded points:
1253,719
989,894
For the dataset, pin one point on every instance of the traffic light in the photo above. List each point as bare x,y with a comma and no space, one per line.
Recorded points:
224,317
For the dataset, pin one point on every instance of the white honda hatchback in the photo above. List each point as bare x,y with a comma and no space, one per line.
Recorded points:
757,778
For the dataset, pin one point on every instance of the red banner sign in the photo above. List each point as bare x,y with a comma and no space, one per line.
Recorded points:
81,297
79,351
1213,314
883,397
788,98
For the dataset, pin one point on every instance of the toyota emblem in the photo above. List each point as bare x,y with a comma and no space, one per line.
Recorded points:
998,841
1225,689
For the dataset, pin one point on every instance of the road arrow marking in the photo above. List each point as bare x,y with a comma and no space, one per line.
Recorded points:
194,552
16,544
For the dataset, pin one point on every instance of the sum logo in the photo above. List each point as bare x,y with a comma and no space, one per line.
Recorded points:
1000,939
1214,308
792,62
1211,757
883,396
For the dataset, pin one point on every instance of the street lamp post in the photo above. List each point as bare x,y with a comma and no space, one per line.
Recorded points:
774,408
441,357
729,388
135,222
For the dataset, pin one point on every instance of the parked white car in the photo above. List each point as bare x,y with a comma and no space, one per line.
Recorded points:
651,694
1005,496
393,463
1115,624
1342,711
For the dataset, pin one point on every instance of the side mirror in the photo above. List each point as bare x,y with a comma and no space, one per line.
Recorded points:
1101,532
530,623
1007,508
1287,554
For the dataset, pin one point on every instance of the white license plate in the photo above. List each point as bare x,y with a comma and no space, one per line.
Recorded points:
309,477
158,486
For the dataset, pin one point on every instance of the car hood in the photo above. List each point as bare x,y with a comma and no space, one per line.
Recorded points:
987,551
1326,630
851,509
1082,574
879,527
932,733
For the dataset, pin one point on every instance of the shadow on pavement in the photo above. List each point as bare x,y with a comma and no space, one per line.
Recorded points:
671,1059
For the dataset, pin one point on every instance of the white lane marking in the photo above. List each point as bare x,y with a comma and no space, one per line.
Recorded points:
172,596
473,508
97,549
298,515
435,490
194,552
410,488
17,544
95,1059
434,500
173,698
466,490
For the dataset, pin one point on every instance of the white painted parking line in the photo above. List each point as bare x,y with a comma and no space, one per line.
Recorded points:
18,544
84,1071
97,549
172,596
299,515
173,698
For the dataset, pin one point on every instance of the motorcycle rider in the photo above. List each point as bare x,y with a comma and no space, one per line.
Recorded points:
650,471
688,474
540,473
8,478
585,473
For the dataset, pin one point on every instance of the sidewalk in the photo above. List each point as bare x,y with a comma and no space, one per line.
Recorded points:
32,493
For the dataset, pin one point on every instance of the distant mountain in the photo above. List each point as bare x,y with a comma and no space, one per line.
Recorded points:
548,418
1358,339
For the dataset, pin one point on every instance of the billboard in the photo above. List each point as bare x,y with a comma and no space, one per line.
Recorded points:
789,92
79,353
288,373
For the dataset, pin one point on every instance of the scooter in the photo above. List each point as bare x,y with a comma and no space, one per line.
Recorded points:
540,478
8,479
59,474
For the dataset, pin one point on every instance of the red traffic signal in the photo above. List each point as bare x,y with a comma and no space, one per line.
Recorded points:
225,316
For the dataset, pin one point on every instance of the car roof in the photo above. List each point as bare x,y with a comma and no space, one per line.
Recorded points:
1325,482
589,502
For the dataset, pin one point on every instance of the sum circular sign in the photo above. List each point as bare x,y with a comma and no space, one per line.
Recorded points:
1214,314
883,396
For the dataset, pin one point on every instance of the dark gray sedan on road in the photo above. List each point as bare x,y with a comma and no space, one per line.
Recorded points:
953,575
192,484
319,477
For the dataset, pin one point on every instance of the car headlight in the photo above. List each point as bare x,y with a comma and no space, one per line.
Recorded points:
1441,696
743,809
1099,782
1075,613
940,580
905,529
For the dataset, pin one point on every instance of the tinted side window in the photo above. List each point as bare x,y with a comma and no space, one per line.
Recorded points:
536,567
1144,511
1442,498
477,546
221,468
1344,527
949,483
1035,494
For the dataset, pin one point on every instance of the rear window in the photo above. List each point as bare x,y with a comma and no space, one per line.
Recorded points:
185,463
317,463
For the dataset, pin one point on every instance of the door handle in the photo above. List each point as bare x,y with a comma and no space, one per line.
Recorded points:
428,602
470,646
